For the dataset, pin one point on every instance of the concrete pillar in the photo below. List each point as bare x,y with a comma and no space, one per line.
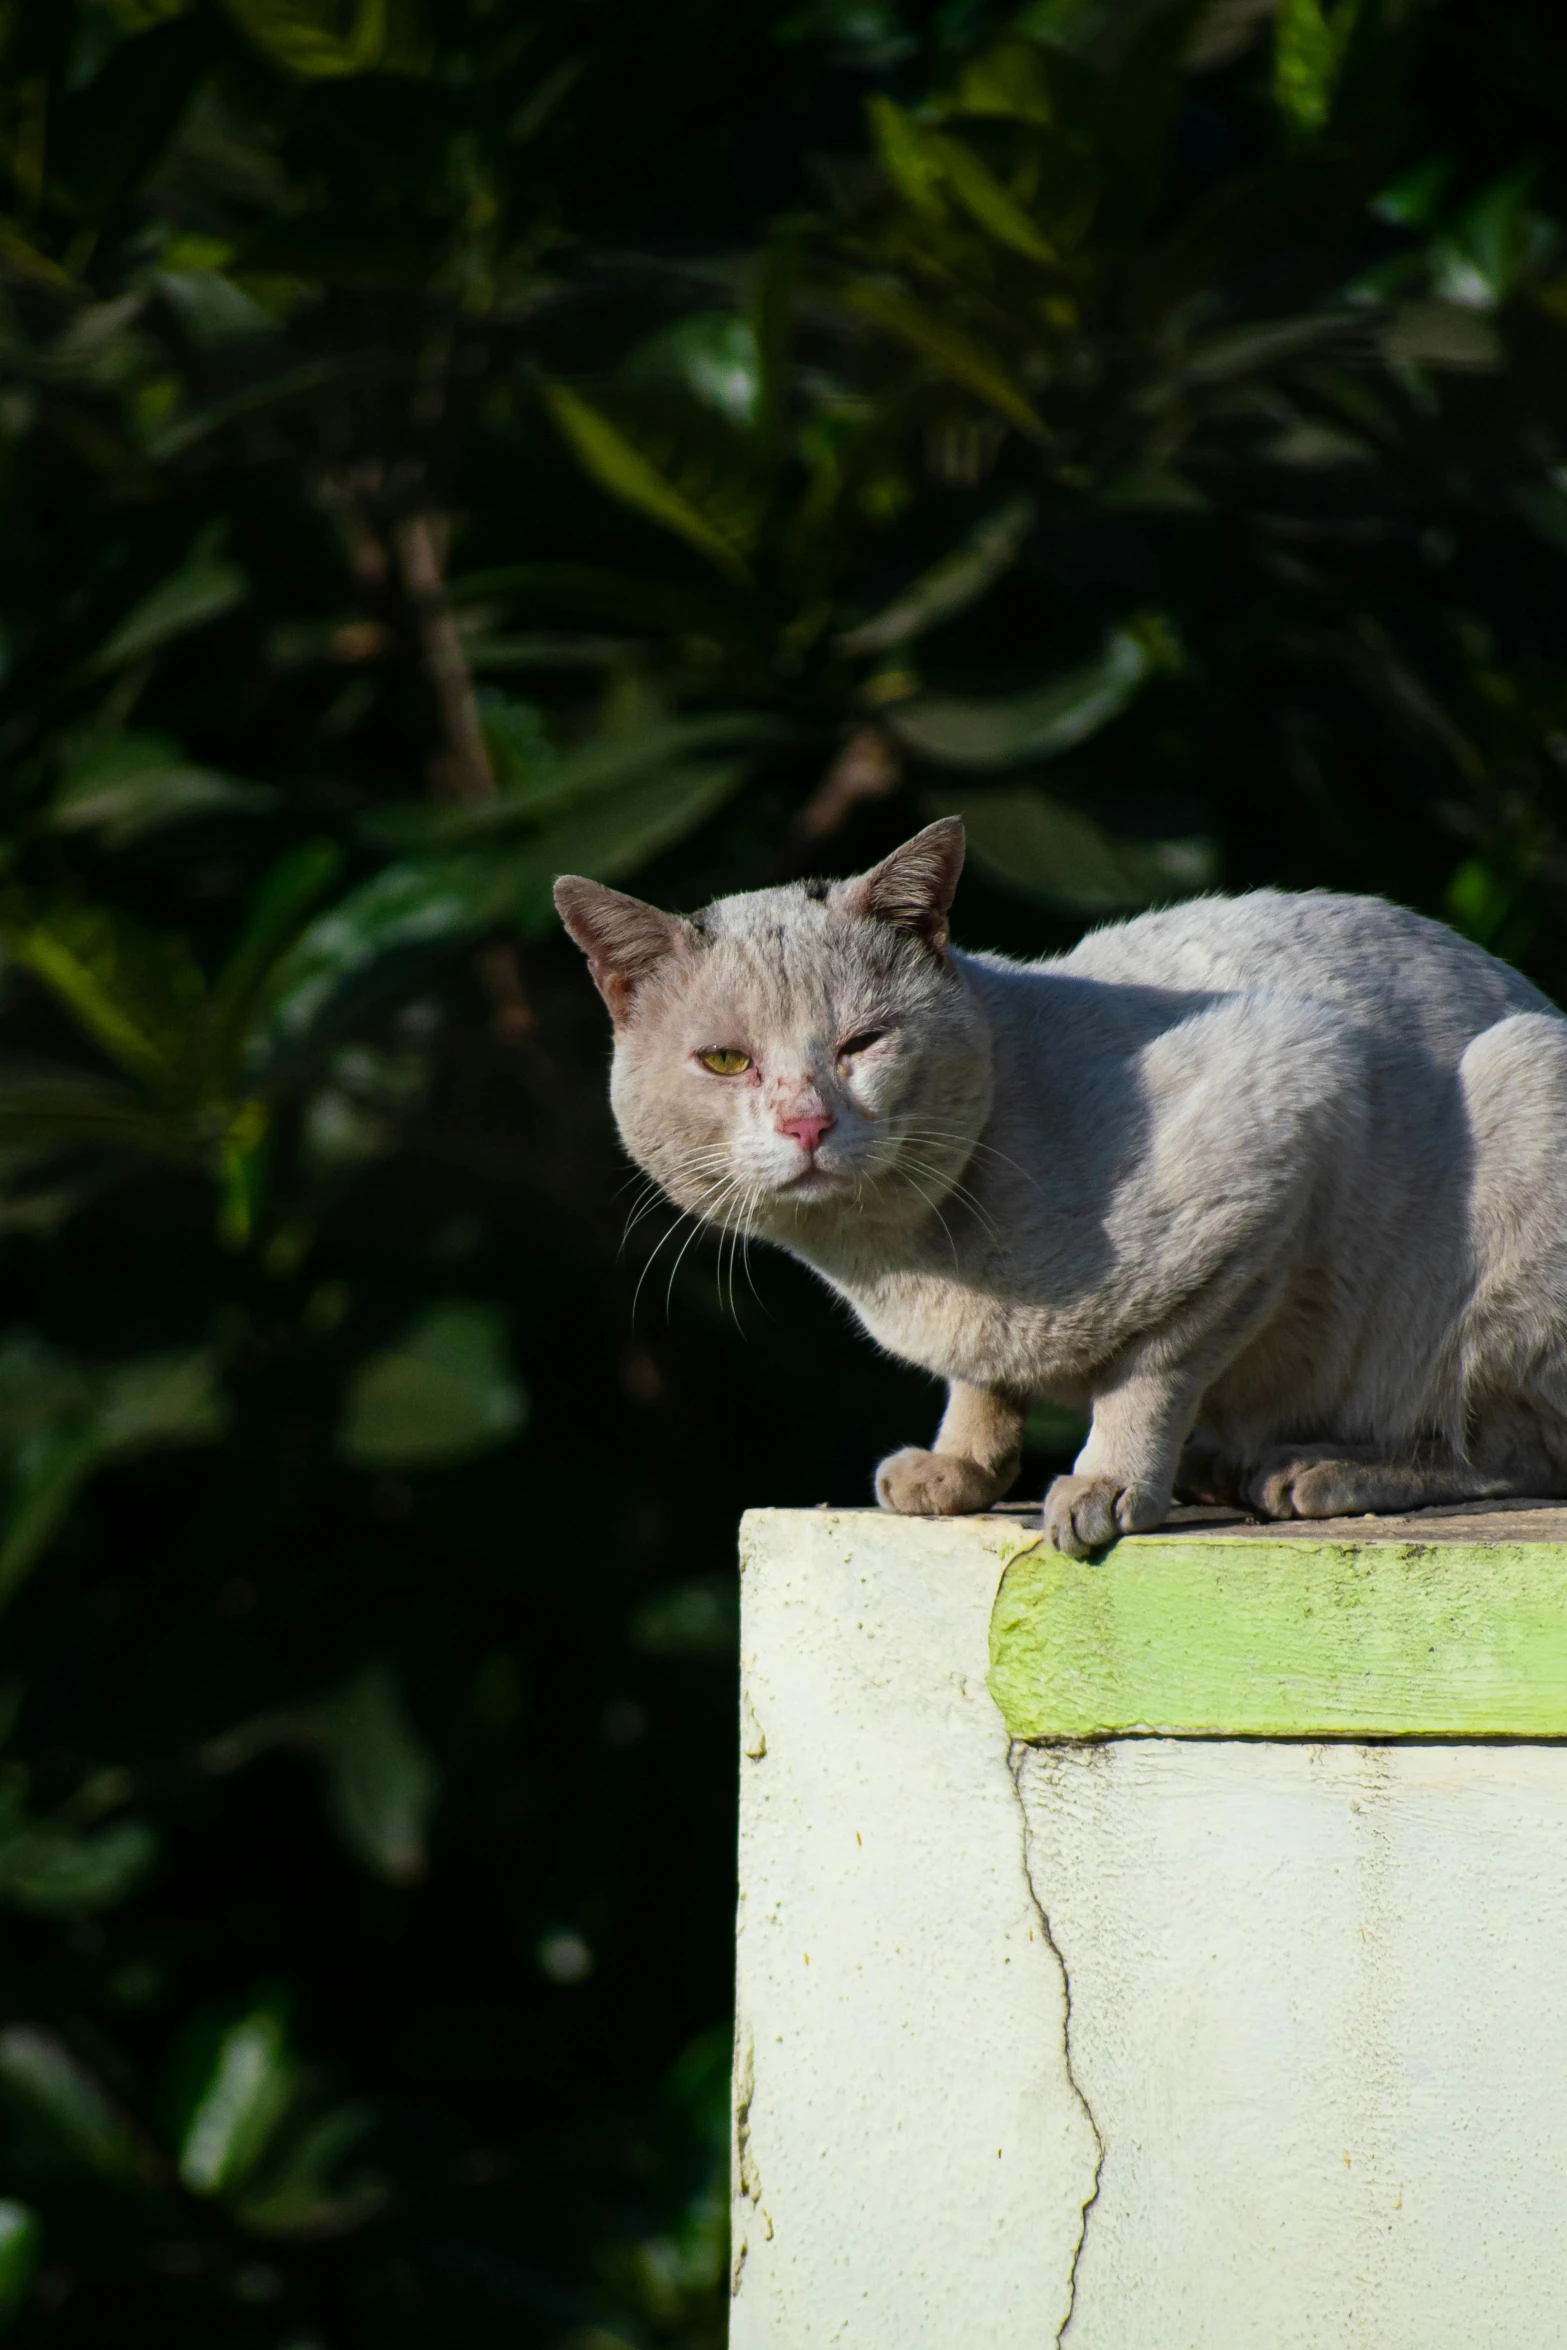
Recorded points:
1162,1954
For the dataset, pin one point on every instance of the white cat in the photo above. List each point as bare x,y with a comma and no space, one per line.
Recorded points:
1275,1186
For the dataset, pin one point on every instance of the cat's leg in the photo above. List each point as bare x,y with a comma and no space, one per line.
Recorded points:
1348,1481
1122,1480
977,1455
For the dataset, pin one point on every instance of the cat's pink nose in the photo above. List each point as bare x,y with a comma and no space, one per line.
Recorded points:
808,1129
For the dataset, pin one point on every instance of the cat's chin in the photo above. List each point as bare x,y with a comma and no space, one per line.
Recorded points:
814,1183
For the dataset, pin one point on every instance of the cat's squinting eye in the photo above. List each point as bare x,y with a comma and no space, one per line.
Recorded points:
726,1061
860,1043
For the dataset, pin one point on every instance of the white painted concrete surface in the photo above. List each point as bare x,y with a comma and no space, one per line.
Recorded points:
912,2162
1318,2004
1320,2014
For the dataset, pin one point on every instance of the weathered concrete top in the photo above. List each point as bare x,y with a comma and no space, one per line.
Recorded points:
1460,1521
1448,1624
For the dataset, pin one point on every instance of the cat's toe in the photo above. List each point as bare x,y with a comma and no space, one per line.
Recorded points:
933,1484
1085,1514
1331,1489
1310,1484
1271,1492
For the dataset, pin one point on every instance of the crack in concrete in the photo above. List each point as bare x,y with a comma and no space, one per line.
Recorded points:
1016,1751
747,2179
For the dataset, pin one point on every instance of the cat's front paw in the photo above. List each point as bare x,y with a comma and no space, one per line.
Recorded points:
1084,1514
934,1484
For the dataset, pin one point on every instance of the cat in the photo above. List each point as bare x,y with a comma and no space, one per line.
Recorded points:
1273,1187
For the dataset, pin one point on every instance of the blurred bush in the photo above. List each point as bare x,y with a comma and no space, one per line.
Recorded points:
439,447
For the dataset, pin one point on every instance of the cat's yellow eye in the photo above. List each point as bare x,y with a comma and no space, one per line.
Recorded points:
726,1061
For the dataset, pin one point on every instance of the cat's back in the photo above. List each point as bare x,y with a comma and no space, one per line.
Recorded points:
1378,963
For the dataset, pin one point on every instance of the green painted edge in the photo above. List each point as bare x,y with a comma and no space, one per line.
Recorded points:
1291,1639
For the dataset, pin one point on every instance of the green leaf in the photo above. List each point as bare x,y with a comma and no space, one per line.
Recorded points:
38,2071
1096,31
1254,349
443,1393
550,784
21,2249
1486,253
61,1109
113,128
1154,489
418,906
1054,1428
988,203
40,1388
319,40
23,255
621,599
160,1399
1310,40
1447,335
273,921
517,741
60,1419
773,294
1492,902
1414,199
1035,725
637,479
136,991
288,384
1007,82
700,1618
1029,842
610,837
57,1872
383,1780
295,2196
951,347
248,2087
202,590
951,585
713,356
125,785
212,308
908,153
45,1481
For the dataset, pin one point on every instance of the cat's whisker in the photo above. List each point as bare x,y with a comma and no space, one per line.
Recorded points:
694,1166
935,1134
654,1192
727,1237
706,1215
940,1218
737,1237
957,1191
683,1217
745,1260
653,1196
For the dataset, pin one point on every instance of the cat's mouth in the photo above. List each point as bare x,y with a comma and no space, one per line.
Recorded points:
813,1182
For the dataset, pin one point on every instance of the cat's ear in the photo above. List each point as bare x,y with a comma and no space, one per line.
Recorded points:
912,890
624,939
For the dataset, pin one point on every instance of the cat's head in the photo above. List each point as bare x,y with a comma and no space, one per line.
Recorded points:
799,1058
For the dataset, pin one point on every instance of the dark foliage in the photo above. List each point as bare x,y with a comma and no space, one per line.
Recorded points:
442,446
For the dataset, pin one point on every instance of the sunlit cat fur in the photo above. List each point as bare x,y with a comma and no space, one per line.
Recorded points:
1275,1187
